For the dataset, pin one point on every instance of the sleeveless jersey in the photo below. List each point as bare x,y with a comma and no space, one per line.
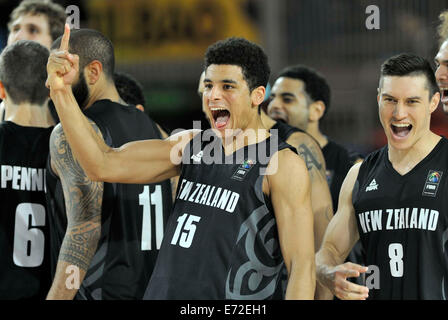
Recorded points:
24,238
132,217
403,225
221,241
285,130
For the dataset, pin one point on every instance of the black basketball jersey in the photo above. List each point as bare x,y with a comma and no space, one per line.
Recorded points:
221,241
24,238
133,216
403,225
284,130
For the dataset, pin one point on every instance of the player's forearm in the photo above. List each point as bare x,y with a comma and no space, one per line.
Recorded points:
87,147
302,281
66,282
322,213
77,250
326,259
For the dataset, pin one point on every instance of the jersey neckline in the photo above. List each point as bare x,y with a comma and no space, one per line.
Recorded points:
419,165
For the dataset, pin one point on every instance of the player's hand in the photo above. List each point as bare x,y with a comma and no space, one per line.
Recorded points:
336,281
62,67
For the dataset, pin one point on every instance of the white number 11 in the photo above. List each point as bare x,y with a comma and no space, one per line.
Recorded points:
147,200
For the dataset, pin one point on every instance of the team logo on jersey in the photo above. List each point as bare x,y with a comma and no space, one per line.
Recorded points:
197,157
372,186
243,169
432,183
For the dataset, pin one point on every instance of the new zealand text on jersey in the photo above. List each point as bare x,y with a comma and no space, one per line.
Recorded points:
22,178
396,219
208,195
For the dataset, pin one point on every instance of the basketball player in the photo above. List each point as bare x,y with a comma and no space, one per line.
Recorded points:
130,90
310,151
37,20
395,200
441,60
24,137
108,233
301,98
233,226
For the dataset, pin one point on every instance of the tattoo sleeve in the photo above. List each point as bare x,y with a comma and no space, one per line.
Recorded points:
83,201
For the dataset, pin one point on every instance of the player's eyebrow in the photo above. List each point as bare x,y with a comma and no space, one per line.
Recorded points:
223,81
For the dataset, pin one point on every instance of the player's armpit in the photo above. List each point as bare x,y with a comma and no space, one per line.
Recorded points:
292,207
83,201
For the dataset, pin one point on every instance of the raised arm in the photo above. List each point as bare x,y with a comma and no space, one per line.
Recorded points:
83,200
340,237
135,162
292,206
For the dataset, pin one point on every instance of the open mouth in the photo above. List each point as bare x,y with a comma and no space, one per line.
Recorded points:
220,117
278,116
444,95
401,130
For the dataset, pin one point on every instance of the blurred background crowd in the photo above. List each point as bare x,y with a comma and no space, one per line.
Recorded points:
161,43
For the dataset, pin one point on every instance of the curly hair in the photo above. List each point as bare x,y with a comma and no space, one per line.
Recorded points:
442,29
316,86
241,52
54,12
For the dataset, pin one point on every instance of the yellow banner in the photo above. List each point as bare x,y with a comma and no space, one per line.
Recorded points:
168,29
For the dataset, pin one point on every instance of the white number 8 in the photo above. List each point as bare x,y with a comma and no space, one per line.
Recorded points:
396,259
29,241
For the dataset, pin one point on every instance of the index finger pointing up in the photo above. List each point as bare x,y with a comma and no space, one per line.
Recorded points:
65,38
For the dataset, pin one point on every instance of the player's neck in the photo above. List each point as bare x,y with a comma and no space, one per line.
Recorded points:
252,134
313,130
267,122
404,160
107,91
29,115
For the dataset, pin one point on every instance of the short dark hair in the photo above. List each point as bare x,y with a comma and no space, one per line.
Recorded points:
129,89
316,86
243,53
408,64
91,45
54,12
23,72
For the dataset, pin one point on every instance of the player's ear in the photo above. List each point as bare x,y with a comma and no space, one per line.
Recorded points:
434,102
140,107
2,91
316,111
257,95
93,72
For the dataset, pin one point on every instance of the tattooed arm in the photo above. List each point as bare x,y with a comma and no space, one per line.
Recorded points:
321,202
83,200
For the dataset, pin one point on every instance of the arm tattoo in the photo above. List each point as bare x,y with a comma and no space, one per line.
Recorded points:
83,201
308,153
